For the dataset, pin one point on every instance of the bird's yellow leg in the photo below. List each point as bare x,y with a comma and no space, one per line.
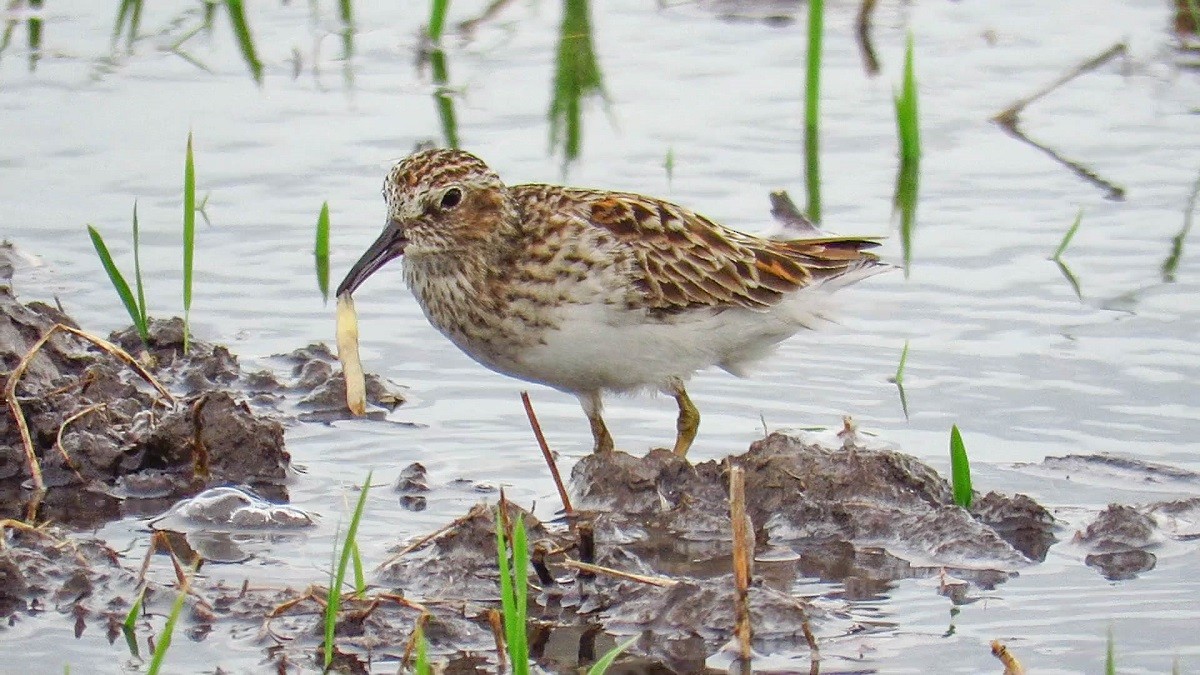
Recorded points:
689,419
593,408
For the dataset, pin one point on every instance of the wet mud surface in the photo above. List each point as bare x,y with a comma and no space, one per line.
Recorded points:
199,443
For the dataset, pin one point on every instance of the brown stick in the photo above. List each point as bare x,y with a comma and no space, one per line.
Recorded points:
417,634
742,538
662,582
1008,116
541,439
496,621
1011,665
62,427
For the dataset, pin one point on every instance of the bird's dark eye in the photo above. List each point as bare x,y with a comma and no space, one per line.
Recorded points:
451,198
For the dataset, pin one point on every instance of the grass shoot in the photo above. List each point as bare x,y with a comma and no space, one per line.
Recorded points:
421,664
321,251
514,591
1062,248
164,641
129,625
1066,240
136,313
898,378
812,96
189,237
960,469
1110,660
338,574
606,661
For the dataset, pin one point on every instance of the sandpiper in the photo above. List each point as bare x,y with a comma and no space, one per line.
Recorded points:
590,291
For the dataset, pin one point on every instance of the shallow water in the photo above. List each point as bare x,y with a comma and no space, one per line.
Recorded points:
999,342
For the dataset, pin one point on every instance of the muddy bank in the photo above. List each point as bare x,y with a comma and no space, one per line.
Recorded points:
114,427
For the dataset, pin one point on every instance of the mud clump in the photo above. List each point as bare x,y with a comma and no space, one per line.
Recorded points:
809,497
95,422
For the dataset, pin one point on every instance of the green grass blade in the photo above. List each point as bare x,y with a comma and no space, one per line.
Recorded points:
606,661
335,588
137,268
812,97
189,237
1066,240
1110,660
245,40
129,626
514,621
321,251
119,283
437,19
898,379
1194,10
521,589
669,164
164,640
421,666
960,469
360,579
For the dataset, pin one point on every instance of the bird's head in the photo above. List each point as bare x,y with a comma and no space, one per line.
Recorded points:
439,202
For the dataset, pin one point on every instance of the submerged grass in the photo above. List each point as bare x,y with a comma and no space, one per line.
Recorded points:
1171,265
338,575
960,469
898,379
908,128
189,238
812,96
321,251
1110,661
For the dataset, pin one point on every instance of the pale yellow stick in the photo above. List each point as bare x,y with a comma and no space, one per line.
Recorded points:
347,344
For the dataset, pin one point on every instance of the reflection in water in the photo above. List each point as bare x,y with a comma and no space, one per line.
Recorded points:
908,177
129,17
812,97
33,29
441,96
1009,119
241,30
1172,262
346,13
576,76
862,30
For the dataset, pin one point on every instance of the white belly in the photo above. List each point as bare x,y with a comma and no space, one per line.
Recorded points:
599,347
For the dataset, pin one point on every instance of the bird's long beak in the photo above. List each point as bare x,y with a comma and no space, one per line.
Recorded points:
388,246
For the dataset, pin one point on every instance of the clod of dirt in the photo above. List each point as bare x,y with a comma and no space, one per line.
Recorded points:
460,563
93,421
324,389
803,493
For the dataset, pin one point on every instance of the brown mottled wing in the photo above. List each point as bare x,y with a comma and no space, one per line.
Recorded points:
687,260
